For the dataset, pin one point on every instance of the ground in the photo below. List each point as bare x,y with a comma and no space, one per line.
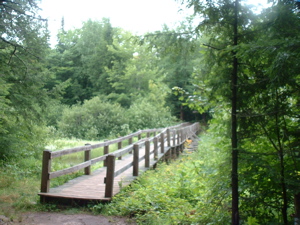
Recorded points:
51,218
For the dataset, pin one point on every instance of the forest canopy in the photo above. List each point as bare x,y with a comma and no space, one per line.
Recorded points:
235,66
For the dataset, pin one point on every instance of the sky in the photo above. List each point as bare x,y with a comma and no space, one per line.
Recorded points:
137,16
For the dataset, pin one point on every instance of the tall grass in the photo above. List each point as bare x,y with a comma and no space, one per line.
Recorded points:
20,177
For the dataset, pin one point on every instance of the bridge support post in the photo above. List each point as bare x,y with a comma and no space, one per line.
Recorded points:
173,150
46,167
136,149
177,150
110,176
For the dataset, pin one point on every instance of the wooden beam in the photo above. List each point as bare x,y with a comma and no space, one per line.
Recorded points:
136,149
46,167
110,175
87,157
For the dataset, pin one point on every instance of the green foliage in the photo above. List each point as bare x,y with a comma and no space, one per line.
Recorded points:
177,51
23,45
146,114
95,119
268,94
194,191
19,184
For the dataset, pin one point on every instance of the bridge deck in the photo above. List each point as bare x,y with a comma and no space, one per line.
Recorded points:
92,187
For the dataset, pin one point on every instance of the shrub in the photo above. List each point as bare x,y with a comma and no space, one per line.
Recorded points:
93,120
146,114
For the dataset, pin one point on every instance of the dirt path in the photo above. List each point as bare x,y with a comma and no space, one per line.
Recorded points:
48,218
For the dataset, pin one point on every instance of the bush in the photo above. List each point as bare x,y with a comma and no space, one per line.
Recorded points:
97,118
93,120
23,139
146,114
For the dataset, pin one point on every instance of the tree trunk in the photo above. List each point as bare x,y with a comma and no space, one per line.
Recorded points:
297,209
283,188
234,139
181,113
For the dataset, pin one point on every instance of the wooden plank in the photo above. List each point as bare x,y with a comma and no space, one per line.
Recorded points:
69,151
123,169
98,159
69,170
123,151
84,148
142,158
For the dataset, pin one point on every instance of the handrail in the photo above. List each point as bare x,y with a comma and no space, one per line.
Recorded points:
161,141
102,144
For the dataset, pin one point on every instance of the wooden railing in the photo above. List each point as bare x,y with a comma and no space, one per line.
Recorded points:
166,144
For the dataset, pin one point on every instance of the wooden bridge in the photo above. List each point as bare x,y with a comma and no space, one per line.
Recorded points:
103,183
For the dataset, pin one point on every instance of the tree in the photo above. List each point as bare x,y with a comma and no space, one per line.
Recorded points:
263,102
23,44
177,51
273,84
80,59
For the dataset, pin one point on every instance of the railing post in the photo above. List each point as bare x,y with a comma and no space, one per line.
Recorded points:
119,147
181,135
46,168
147,154
178,136
186,133
87,157
155,143
110,176
136,149
162,143
174,137
129,143
105,151
168,137
140,136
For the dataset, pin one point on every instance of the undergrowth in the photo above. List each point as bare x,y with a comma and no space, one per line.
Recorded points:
20,180
192,190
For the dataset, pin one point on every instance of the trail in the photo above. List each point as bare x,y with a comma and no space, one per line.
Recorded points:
51,218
